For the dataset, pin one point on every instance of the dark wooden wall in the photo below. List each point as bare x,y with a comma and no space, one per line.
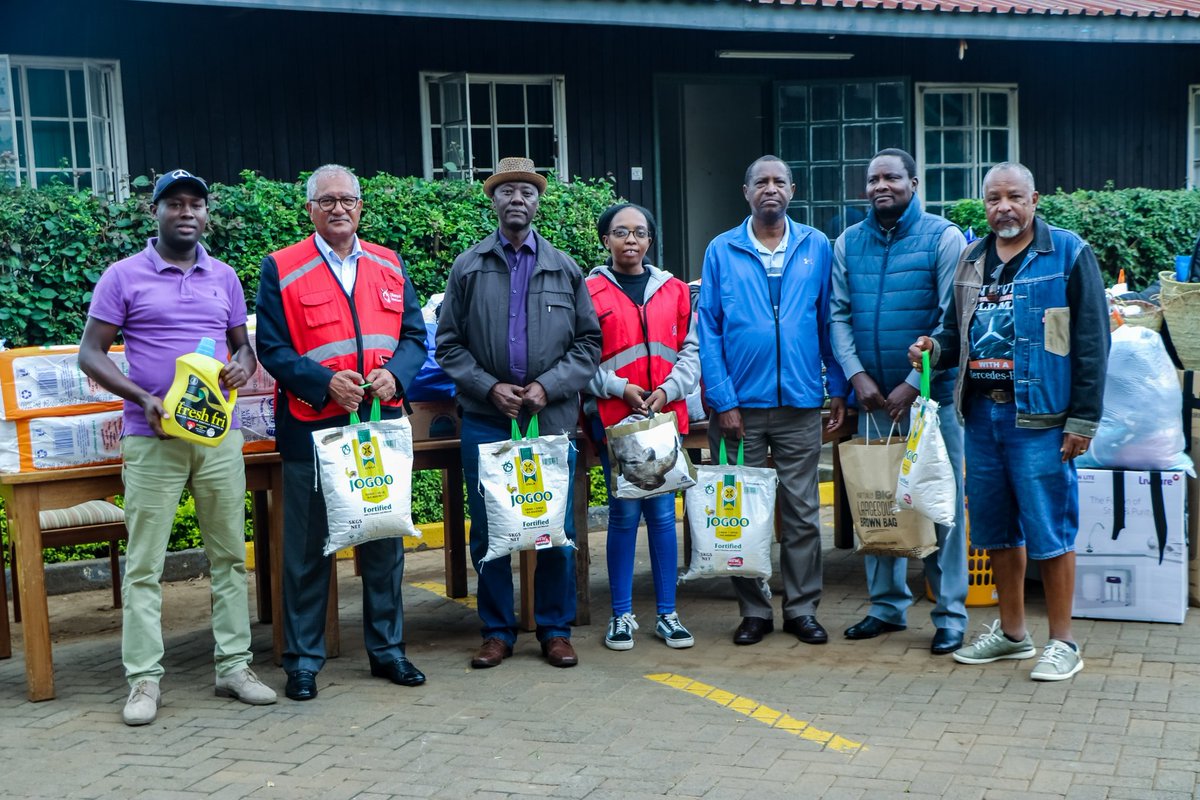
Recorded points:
219,90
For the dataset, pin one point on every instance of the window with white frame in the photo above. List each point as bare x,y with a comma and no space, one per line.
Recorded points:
61,121
1193,181
470,122
962,131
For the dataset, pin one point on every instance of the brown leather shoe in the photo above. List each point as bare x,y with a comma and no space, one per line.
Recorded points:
491,653
559,652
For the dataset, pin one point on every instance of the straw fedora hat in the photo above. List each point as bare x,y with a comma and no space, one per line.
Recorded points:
514,169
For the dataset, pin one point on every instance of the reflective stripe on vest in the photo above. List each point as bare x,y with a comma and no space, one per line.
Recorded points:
300,272
631,355
349,347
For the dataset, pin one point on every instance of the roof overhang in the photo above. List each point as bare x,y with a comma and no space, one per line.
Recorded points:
751,17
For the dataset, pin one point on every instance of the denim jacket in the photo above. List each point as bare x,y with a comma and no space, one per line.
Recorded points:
1061,351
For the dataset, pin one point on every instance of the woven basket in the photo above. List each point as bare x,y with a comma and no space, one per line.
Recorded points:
1138,313
1181,307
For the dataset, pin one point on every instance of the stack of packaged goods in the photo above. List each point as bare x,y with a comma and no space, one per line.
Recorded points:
52,416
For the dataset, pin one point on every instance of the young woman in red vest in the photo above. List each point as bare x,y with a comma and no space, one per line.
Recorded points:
649,361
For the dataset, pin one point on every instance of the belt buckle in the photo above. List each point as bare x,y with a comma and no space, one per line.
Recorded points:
1000,396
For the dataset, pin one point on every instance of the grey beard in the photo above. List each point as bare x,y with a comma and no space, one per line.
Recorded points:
1011,232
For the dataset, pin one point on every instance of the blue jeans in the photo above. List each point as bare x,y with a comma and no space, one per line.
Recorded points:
1022,494
554,578
946,569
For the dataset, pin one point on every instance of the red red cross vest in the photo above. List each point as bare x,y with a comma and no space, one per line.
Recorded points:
640,344
340,332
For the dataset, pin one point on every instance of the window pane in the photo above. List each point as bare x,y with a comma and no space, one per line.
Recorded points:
16,90
933,184
800,176
82,151
511,142
825,104
51,144
859,141
22,156
540,100
481,103
798,212
957,184
857,98
995,147
823,219
825,143
956,109
854,181
793,104
889,100
889,134
933,109
793,143
510,104
957,147
541,148
47,177
85,181
826,182
435,106
994,110
78,103
481,148
47,92
933,147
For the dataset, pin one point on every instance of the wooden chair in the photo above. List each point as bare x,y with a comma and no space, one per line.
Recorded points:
87,523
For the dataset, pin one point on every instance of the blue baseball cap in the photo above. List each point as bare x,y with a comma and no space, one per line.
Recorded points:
174,178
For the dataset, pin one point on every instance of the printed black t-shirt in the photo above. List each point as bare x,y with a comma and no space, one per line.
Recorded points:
634,286
990,365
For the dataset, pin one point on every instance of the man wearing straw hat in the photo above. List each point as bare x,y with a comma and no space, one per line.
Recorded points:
518,336
893,277
1029,333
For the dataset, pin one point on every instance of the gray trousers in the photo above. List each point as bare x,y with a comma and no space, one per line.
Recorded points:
306,579
793,438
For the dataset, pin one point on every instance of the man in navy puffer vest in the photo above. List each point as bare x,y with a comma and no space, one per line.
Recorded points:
893,280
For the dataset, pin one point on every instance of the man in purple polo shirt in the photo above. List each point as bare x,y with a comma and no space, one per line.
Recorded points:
163,301
518,336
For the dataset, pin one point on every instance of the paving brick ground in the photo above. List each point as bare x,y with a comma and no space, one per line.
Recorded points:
1127,727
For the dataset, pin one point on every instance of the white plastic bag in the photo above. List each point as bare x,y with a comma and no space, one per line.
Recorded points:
647,457
365,470
525,482
731,513
1142,424
926,480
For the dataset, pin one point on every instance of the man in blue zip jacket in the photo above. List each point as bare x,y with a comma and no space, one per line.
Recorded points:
893,280
1029,333
764,300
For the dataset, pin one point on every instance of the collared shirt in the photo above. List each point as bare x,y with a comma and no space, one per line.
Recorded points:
163,311
772,260
521,263
346,269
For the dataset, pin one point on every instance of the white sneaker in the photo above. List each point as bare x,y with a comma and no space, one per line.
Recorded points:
993,645
1059,661
142,706
620,632
245,686
671,631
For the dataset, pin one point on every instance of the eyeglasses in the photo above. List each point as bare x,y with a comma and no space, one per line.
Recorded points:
623,233
327,203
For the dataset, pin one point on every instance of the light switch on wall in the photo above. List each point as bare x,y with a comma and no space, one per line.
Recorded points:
635,173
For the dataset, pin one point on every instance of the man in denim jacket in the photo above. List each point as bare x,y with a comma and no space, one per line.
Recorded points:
1031,334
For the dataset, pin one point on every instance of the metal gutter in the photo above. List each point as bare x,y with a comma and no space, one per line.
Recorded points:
756,18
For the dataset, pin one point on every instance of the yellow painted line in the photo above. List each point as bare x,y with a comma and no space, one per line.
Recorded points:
440,590
757,711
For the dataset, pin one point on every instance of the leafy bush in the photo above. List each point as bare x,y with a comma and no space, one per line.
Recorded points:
1137,230
55,242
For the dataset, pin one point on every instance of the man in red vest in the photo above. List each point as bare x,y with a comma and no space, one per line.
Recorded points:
338,325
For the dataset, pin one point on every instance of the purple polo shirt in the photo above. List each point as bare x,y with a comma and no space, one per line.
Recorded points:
521,263
163,312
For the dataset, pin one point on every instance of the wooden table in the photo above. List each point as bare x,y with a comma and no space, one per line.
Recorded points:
26,493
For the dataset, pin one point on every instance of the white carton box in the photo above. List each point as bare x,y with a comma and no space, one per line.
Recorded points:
1131,561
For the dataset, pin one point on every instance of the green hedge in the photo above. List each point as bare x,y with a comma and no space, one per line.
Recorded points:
1137,230
55,242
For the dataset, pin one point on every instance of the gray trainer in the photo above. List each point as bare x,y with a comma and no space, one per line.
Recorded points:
1059,661
993,645
245,686
142,706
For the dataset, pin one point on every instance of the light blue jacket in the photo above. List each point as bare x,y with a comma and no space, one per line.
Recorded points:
750,355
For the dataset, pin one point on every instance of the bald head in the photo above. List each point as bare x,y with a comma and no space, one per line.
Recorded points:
1018,171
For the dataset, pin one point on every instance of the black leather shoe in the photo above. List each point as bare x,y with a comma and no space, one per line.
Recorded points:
806,629
871,627
945,641
752,630
400,671
301,685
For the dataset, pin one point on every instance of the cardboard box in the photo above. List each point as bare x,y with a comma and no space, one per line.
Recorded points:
1141,574
37,382
60,442
436,419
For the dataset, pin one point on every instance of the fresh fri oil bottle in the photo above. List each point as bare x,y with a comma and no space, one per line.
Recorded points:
197,411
